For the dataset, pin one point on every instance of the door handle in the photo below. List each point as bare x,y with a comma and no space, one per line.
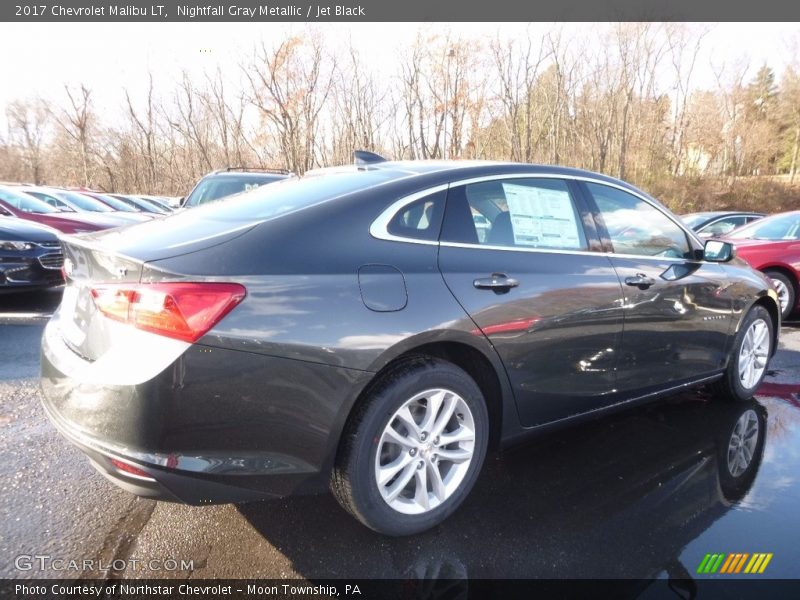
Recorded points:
499,282
640,280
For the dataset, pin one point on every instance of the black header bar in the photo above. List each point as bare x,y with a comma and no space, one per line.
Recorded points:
265,11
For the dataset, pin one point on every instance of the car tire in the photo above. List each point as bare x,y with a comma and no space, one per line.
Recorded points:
391,486
786,290
738,383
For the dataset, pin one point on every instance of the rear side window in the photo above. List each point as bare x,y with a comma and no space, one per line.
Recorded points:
522,213
420,220
637,227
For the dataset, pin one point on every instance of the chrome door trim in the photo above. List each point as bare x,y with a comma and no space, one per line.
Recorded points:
379,228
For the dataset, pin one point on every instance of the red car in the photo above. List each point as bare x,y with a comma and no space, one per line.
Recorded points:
772,245
21,205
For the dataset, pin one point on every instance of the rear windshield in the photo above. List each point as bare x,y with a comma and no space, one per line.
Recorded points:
293,194
217,187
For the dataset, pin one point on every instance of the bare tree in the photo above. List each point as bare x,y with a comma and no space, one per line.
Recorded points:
289,86
77,121
28,123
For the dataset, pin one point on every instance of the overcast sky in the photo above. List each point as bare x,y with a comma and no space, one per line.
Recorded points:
38,58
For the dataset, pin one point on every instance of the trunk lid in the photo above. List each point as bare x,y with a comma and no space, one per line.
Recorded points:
119,256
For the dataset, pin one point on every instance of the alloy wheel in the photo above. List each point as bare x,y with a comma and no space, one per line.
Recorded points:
783,293
753,354
425,451
742,445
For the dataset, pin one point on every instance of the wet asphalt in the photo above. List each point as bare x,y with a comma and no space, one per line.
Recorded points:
642,494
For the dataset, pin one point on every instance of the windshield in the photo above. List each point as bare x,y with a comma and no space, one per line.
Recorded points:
26,203
215,188
779,227
153,206
83,202
115,203
53,201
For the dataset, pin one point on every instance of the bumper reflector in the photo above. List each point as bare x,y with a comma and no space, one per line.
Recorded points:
130,470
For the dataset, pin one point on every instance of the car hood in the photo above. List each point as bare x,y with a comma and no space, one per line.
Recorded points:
99,219
130,217
752,243
20,230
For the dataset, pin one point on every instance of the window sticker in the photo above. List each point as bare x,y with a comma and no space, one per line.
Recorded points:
542,217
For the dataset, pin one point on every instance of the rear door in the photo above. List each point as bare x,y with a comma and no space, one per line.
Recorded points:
522,257
677,309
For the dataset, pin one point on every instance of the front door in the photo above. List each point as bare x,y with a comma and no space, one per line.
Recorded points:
677,311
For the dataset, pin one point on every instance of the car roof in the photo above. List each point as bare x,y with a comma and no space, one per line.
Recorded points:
464,169
246,175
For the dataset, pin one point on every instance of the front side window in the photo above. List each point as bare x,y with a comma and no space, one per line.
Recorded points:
521,213
637,227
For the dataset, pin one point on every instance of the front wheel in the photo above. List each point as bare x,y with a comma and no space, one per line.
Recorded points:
747,365
413,449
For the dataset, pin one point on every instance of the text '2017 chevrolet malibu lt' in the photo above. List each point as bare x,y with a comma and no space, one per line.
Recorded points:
374,330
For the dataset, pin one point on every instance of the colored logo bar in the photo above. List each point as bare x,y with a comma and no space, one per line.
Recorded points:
735,563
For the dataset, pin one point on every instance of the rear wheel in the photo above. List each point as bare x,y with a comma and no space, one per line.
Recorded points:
413,449
785,288
747,365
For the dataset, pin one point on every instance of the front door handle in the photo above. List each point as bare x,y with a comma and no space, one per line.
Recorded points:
640,280
499,282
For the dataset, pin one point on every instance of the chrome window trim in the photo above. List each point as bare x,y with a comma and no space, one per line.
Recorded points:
560,251
379,227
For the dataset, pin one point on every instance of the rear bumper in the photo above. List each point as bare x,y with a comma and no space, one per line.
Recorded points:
213,426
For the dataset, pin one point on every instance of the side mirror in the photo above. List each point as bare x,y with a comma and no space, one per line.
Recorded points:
718,251
182,201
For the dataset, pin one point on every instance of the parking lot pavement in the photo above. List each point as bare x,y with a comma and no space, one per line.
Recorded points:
27,306
638,494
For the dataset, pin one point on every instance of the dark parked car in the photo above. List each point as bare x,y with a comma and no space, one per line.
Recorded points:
351,329
159,201
713,224
773,246
30,256
118,205
227,182
141,204
19,204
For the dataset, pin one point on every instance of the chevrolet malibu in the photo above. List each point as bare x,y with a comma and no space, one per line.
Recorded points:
356,330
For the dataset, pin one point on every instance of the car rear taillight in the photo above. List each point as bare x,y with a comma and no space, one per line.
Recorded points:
184,311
